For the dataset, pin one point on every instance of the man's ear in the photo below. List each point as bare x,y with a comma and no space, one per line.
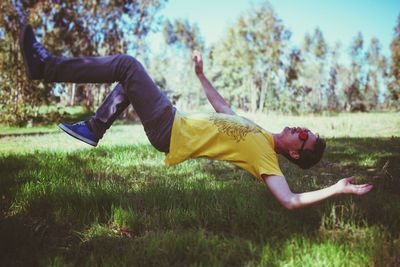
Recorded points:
294,154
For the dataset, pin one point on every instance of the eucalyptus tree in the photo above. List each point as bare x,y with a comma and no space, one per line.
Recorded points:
394,83
174,65
19,98
353,91
334,79
375,74
315,75
293,88
249,58
71,28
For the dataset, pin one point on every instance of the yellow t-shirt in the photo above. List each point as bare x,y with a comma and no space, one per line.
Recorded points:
225,137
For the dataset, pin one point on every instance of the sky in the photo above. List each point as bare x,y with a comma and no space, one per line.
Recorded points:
339,20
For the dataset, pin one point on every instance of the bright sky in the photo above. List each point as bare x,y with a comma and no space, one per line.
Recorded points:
339,20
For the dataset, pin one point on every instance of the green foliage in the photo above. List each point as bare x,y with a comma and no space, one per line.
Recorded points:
71,28
319,45
394,82
314,75
183,34
247,61
19,98
172,68
253,65
354,90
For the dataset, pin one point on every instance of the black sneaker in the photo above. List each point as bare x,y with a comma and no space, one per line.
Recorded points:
33,53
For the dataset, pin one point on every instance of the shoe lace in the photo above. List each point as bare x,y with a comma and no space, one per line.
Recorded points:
41,51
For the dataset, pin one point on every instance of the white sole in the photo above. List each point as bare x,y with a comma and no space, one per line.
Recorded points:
77,136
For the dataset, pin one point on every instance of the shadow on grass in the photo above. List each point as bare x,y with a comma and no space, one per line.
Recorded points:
373,160
51,201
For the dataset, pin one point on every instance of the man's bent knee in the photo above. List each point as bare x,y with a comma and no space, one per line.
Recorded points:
126,65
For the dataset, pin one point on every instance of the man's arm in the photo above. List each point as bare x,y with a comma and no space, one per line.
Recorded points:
280,189
215,99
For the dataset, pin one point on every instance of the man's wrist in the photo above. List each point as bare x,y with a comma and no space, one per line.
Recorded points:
200,75
337,189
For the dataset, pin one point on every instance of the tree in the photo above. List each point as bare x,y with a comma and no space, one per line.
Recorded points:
248,60
296,93
374,74
183,34
101,28
71,28
320,47
181,37
19,98
333,102
354,97
314,78
394,84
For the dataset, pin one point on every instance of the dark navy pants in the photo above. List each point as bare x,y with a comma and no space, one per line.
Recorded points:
134,87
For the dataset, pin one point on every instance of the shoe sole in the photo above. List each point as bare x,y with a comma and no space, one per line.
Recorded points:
28,71
77,136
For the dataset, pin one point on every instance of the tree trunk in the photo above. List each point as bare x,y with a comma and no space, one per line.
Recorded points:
262,98
73,93
253,95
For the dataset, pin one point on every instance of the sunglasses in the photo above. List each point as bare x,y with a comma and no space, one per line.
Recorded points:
303,136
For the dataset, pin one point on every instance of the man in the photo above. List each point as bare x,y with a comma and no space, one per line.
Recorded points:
222,135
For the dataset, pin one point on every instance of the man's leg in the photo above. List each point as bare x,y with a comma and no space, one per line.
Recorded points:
113,105
135,86
153,107
158,130
139,88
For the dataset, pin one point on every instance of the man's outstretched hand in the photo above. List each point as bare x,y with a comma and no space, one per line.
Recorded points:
346,186
198,62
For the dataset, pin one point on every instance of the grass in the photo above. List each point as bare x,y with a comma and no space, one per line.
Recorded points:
44,124
66,204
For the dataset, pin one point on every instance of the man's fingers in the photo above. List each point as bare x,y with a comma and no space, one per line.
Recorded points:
362,185
362,189
366,189
196,55
196,59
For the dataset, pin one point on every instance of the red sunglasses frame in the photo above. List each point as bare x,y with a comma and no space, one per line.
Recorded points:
303,136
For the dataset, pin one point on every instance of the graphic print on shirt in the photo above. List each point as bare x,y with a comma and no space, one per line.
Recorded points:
234,129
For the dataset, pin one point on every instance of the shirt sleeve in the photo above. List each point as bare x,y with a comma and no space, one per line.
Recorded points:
269,166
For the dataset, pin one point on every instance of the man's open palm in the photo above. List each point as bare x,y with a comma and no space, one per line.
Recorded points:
346,186
198,62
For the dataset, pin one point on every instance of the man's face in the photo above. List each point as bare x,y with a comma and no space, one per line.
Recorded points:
297,138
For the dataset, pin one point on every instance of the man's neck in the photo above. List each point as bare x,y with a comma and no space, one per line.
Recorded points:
277,142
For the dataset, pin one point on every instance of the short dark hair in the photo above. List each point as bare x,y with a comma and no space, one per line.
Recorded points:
309,158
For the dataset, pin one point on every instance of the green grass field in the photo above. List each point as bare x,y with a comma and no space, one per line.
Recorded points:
63,203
